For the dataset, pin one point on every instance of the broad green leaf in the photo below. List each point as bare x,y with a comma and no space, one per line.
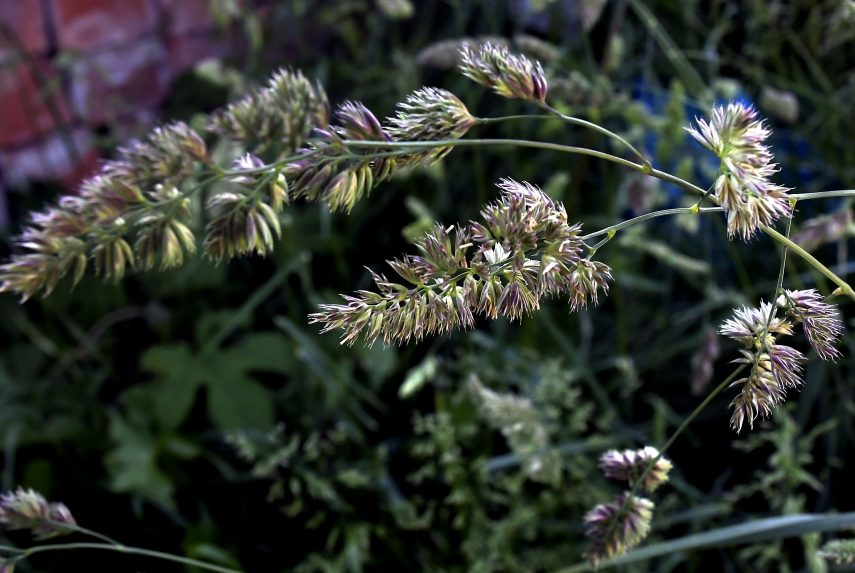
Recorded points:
132,464
267,352
236,401
178,379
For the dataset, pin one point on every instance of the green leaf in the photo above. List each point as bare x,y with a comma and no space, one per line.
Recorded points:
237,402
178,378
417,377
210,552
132,464
266,351
235,399
752,532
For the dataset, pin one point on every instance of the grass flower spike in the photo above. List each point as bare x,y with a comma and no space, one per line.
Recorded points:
329,172
775,368
617,526
284,112
429,114
26,509
509,75
750,199
820,320
630,465
522,250
133,200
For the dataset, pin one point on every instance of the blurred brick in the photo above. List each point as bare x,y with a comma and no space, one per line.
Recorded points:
25,100
4,208
87,24
25,19
186,16
187,51
134,125
48,160
86,166
120,80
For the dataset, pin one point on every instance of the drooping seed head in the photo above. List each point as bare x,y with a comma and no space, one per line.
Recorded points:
587,278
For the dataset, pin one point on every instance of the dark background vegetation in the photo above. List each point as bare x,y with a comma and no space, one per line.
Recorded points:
118,399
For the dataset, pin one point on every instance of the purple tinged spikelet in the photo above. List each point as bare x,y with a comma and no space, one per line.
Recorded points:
749,197
774,368
429,114
820,320
630,465
27,509
617,526
509,75
521,250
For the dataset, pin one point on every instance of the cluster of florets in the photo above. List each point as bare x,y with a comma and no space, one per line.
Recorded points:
429,114
820,320
744,188
136,213
328,171
340,176
633,465
509,75
617,526
245,217
27,509
133,200
776,368
622,523
284,112
522,250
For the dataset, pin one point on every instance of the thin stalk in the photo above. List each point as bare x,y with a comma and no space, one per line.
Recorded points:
502,118
823,194
812,261
651,215
685,424
87,531
602,130
120,549
495,142
555,114
592,250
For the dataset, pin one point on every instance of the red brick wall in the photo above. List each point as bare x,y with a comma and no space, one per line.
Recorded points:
68,67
